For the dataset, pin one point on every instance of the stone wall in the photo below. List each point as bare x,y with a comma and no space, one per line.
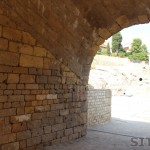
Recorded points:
41,101
99,106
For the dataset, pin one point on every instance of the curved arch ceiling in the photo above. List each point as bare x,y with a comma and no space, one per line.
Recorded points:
73,29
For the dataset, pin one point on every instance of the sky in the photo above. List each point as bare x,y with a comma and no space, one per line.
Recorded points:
136,31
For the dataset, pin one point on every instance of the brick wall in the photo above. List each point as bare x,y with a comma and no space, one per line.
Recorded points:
41,101
99,106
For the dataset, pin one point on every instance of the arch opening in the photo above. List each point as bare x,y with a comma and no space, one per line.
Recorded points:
128,78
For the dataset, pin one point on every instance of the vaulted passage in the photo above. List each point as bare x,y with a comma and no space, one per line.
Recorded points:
46,49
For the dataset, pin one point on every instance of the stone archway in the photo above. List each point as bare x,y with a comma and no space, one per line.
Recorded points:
46,49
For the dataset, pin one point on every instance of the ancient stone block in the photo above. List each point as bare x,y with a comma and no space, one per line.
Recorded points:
39,51
7,112
31,86
7,138
26,49
29,110
34,124
13,78
18,127
3,44
42,108
15,98
28,39
64,112
21,118
31,61
24,135
143,19
3,99
48,137
12,34
34,141
41,79
5,129
14,46
69,131
37,132
0,30
51,96
47,129
3,77
58,127
40,97
57,106
27,78
10,146
5,58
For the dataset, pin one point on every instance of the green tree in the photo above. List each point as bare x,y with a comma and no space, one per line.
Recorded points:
136,45
139,52
108,49
116,43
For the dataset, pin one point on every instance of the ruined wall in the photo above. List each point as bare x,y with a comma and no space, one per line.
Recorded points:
99,106
41,101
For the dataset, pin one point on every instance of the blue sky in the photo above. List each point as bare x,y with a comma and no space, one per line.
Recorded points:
137,31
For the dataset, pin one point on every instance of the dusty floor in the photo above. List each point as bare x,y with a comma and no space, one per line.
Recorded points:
121,133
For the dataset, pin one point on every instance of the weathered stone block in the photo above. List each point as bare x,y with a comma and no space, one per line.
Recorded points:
69,131
18,127
64,112
3,44
21,118
40,97
37,132
3,77
3,99
58,127
7,138
16,98
5,129
27,78
57,106
24,135
39,51
51,96
13,78
29,110
41,79
11,146
28,39
34,124
26,49
31,61
12,34
7,112
47,129
5,58
42,108
31,86
14,46
34,141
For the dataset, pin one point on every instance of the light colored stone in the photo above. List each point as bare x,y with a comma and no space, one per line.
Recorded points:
40,97
51,96
22,118
39,51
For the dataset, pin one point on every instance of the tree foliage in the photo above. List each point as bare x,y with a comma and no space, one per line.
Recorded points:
116,43
108,49
138,51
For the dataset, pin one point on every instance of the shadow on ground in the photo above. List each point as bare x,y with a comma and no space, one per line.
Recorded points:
117,135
